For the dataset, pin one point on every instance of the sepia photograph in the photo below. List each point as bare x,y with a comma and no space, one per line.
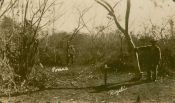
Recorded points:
87,51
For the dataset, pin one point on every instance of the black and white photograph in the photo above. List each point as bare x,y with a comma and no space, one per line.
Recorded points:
87,51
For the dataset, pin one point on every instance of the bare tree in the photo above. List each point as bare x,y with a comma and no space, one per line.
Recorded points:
80,25
125,30
30,28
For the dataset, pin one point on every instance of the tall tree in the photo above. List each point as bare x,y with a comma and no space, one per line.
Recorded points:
26,36
29,35
125,30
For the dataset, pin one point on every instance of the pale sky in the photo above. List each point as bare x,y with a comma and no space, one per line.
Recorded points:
141,12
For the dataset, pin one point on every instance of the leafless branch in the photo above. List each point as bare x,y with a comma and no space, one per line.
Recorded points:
25,15
79,26
35,13
2,2
103,6
109,6
111,13
116,4
49,21
44,10
8,7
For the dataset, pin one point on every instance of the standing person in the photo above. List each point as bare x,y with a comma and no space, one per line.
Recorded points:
67,52
71,53
152,59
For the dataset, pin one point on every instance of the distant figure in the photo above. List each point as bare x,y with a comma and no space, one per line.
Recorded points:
70,54
138,99
151,60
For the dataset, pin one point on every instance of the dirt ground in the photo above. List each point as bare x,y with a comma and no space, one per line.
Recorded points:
92,90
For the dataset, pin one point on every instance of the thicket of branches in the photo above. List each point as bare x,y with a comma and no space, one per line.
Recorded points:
20,29
108,48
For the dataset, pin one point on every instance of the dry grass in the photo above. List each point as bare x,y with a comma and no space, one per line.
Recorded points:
69,91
